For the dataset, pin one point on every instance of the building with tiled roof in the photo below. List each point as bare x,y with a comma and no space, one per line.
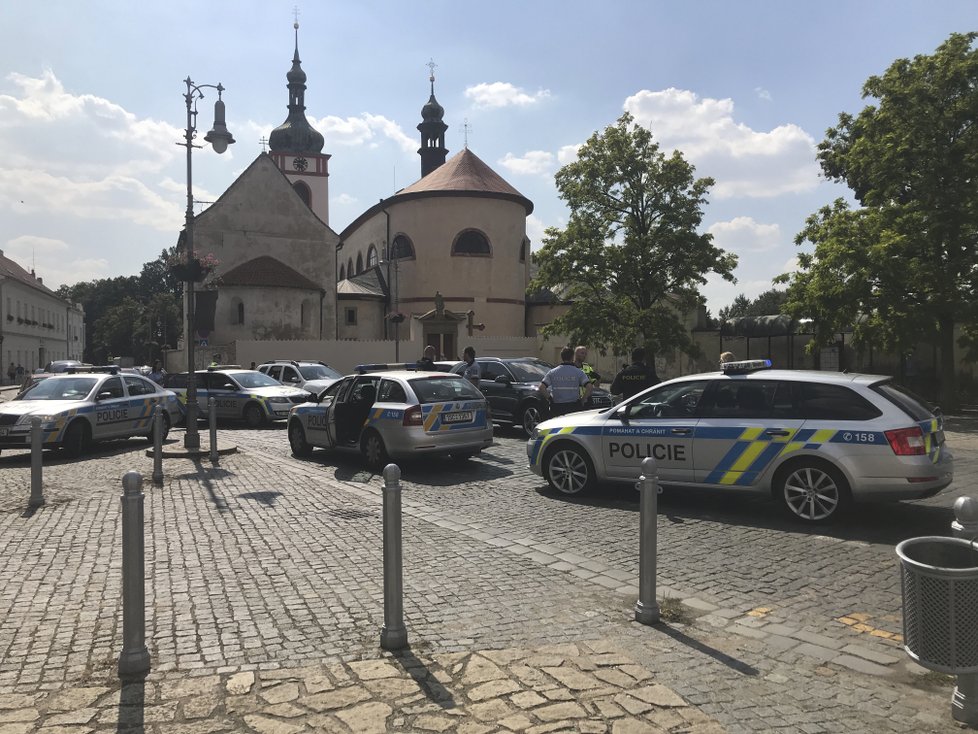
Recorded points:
36,326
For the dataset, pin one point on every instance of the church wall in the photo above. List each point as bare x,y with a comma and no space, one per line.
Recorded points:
369,319
268,313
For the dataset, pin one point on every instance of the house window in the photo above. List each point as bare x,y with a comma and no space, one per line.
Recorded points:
359,263
351,316
304,193
471,242
371,256
401,248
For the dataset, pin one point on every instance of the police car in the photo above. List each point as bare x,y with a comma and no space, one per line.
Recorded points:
813,440
79,407
239,394
396,414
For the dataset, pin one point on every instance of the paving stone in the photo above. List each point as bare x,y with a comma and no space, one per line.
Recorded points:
334,699
268,725
280,693
366,718
240,683
492,689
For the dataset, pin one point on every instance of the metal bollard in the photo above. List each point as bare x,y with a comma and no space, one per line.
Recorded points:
647,608
37,489
134,658
393,636
158,444
212,423
964,700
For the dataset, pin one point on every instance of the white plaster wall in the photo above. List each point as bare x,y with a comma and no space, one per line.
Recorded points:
23,342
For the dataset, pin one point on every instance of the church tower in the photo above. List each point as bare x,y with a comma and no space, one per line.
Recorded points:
296,147
432,129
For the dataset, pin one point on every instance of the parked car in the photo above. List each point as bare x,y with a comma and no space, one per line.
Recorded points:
814,441
81,407
239,394
510,385
310,375
396,414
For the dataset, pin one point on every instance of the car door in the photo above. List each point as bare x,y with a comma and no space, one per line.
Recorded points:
319,421
143,397
660,425
745,424
225,391
112,414
275,372
502,396
290,376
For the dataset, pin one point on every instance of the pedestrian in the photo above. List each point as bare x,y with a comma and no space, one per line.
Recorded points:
580,361
727,357
568,387
215,360
472,371
253,366
19,373
12,373
634,377
427,361
157,373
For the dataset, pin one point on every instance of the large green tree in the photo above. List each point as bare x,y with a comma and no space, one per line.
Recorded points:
631,259
905,263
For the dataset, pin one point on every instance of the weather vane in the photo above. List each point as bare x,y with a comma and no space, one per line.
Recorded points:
466,127
431,69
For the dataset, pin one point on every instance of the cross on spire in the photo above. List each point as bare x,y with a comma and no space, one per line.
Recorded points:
466,127
295,14
431,69
264,142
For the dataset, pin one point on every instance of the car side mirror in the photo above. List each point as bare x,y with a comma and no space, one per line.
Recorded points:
104,395
504,379
622,414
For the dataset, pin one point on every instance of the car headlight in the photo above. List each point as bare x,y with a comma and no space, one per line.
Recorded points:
279,400
26,419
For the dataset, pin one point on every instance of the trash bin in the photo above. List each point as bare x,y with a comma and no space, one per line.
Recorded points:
940,602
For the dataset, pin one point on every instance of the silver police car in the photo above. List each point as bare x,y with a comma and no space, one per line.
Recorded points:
239,394
813,440
396,414
81,407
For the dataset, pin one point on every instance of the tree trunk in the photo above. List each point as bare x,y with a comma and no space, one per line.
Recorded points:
948,388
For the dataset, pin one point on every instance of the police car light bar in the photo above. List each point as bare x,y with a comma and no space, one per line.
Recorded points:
745,365
363,368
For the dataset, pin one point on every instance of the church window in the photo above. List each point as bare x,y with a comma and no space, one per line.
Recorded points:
401,248
351,316
342,272
471,242
240,313
371,256
359,263
523,251
350,272
304,193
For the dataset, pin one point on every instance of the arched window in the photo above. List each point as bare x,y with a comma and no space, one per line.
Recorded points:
471,242
359,263
371,256
523,251
237,310
342,272
350,272
401,248
304,193
240,313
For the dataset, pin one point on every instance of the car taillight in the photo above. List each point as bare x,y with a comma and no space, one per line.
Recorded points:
413,417
906,441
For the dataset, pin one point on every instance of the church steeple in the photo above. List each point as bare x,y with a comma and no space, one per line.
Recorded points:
296,136
432,129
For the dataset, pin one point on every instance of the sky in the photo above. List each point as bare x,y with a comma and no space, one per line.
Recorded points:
93,174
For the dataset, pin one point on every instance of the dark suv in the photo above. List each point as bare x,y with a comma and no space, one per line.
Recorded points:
510,385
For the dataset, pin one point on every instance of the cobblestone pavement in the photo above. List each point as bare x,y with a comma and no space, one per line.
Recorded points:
266,564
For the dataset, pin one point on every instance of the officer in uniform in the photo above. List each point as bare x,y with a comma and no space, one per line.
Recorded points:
566,384
635,377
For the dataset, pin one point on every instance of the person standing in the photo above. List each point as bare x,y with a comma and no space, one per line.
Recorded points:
472,371
727,357
12,373
568,387
427,361
635,377
19,374
157,373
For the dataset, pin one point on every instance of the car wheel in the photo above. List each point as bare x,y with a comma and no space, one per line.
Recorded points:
297,440
166,427
529,418
75,439
373,450
254,416
812,490
569,469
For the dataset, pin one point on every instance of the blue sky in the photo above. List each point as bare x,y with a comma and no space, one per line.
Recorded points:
92,183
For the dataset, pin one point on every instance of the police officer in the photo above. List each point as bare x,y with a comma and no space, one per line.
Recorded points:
564,383
634,378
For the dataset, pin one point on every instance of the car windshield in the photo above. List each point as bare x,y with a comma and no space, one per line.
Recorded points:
75,388
529,371
254,379
318,372
442,389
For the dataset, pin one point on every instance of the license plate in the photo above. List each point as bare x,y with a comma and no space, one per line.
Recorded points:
461,416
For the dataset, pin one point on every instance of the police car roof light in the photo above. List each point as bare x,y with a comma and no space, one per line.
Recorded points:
112,369
361,368
745,365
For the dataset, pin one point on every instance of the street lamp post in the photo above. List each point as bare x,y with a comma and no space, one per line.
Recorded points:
220,139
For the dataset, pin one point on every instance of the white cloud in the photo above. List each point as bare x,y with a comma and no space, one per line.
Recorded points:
743,234
503,94
533,162
762,93
568,153
53,262
363,130
534,230
743,161
344,200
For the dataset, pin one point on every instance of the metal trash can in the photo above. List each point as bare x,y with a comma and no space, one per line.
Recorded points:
940,602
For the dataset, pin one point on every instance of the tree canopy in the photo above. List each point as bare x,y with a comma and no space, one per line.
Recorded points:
906,259
631,259
769,303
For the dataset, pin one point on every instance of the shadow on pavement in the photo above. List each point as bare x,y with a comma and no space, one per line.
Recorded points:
429,685
132,703
731,662
433,471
